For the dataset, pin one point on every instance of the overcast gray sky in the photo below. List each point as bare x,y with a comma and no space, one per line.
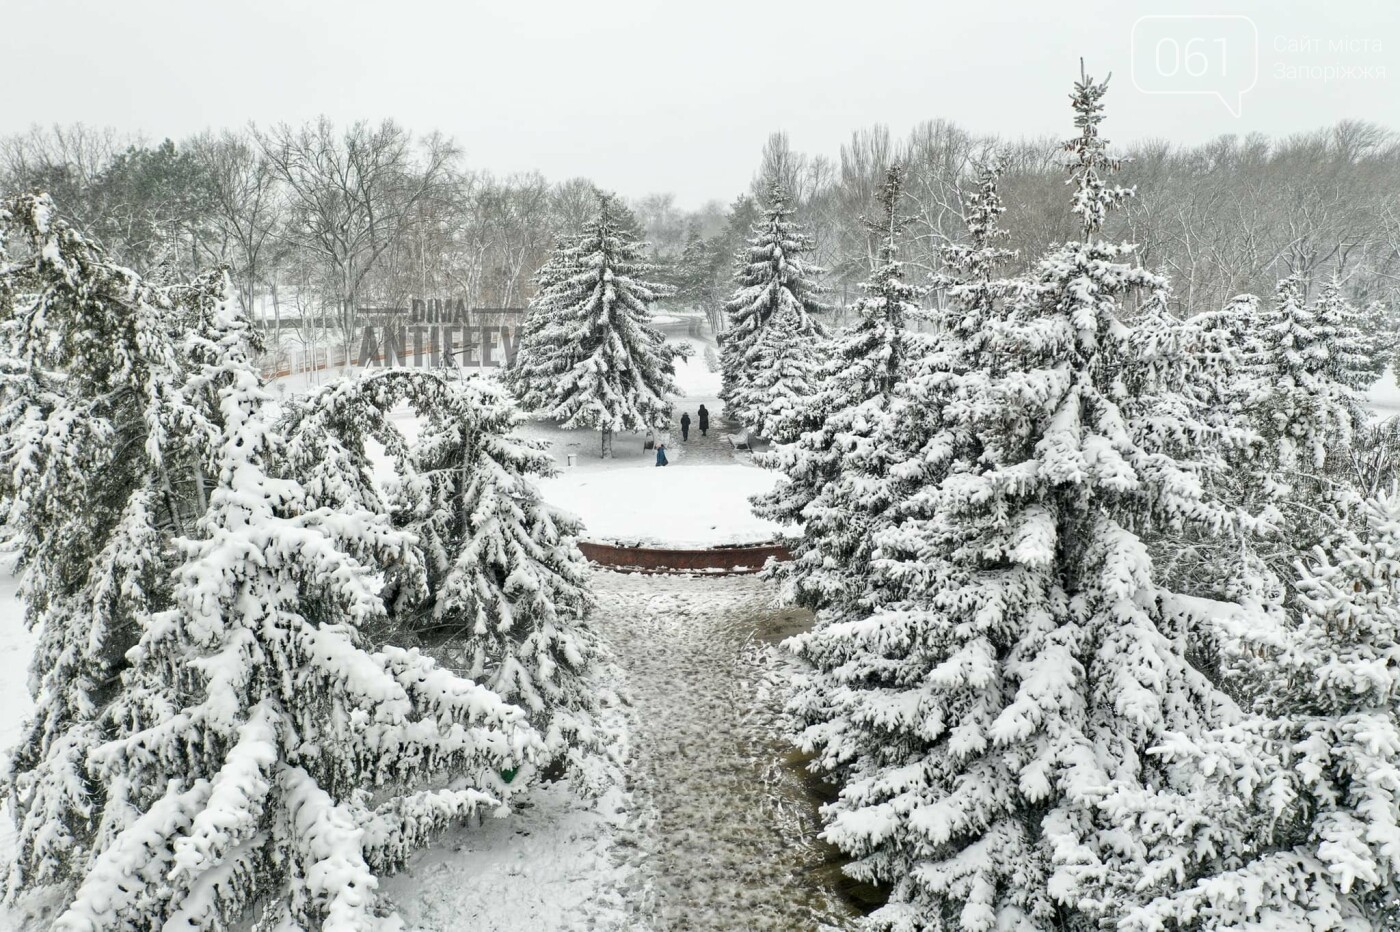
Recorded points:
674,96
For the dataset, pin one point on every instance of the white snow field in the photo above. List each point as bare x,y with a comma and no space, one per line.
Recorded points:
1384,396
548,865
700,500
681,506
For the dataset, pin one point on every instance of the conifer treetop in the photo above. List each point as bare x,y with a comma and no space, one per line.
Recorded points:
1091,163
773,270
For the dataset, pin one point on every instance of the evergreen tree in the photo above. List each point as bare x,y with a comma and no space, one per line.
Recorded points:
852,415
104,464
1222,351
1354,357
975,292
249,757
1304,420
1322,772
523,377
1303,412
773,277
508,586
994,727
786,371
953,367
597,363
495,587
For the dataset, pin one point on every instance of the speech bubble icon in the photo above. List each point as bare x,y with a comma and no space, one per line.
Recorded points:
1188,54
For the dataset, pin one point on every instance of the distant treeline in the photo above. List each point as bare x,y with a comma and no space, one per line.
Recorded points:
320,220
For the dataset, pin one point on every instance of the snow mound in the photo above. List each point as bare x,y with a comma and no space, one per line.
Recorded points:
1383,398
547,866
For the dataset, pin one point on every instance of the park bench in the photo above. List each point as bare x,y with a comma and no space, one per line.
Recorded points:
739,441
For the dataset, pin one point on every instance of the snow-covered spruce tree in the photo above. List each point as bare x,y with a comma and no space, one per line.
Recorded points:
522,377
786,370
772,275
1215,356
1305,419
975,291
266,759
104,463
597,363
1355,358
1323,775
836,468
508,589
246,757
991,728
505,599
933,423
1303,411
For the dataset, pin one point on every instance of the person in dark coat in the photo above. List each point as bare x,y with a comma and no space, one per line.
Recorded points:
704,421
685,426
661,454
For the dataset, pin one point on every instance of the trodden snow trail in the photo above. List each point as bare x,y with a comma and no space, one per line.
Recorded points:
725,832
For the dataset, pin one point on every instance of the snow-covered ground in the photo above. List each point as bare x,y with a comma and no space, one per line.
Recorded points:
551,864
1384,396
683,505
724,836
700,500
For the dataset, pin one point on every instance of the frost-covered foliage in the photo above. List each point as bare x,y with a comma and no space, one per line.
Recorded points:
1319,764
976,294
590,358
503,594
1287,385
507,583
838,470
541,310
1358,341
106,451
786,369
214,739
1303,411
1090,163
776,289
1212,357
993,727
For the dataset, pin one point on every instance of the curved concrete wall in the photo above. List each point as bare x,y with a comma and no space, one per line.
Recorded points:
665,560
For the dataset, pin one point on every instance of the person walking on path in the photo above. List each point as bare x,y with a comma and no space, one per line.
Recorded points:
704,421
661,454
685,426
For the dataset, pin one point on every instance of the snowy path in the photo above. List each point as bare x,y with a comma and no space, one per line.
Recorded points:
724,833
